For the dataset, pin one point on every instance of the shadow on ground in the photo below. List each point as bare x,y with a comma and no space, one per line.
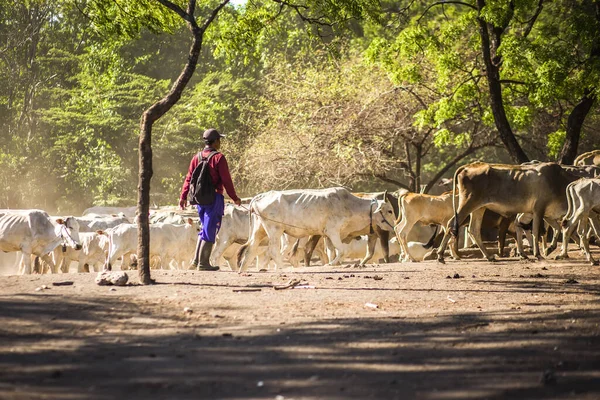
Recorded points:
71,352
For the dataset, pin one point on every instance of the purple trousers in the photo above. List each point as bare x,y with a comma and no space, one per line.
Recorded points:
210,218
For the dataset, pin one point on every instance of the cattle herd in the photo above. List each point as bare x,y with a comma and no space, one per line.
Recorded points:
532,201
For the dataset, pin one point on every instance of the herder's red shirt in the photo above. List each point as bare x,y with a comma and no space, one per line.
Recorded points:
219,173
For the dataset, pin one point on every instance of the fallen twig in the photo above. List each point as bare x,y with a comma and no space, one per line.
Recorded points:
289,284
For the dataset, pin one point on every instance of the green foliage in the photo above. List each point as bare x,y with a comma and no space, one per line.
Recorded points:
555,143
339,95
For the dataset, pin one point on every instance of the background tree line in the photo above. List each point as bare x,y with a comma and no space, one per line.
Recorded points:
386,95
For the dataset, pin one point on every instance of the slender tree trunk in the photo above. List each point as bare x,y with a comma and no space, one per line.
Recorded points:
418,168
574,125
151,115
143,205
492,72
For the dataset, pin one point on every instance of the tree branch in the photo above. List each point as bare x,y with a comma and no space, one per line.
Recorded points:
297,7
178,10
392,181
531,22
213,15
437,3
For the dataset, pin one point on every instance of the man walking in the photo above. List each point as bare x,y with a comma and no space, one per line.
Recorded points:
211,214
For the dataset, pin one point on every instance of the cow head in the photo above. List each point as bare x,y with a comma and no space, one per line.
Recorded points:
383,216
68,230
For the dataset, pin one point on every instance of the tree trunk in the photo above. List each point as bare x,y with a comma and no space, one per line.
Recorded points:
574,125
492,72
143,205
151,115
581,110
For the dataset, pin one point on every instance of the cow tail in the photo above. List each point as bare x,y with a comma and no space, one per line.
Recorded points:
400,207
570,205
295,248
456,223
107,265
242,251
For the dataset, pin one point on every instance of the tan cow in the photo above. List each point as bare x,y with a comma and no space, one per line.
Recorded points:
424,208
507,189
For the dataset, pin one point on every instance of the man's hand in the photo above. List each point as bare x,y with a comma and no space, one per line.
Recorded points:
182,204
238,202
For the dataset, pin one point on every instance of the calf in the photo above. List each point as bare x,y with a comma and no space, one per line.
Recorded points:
167,241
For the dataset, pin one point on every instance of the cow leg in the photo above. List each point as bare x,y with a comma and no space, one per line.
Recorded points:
595,222
371,242
47,258
454,248
568,227
520,233
311,244
554,242
81,266
220,247
25,268
584,239
502,231
249,251
330,251
402,230
475,232
275,234
337,243
461,215
384,241
537,224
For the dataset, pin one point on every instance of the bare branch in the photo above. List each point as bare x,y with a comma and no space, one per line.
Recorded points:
531,22
392,181
178,10
437,3
213,15
298,8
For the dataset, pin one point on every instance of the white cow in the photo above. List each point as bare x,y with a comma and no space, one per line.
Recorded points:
583,198
334,213
94,223
33,232
167,241
235,227
94,247
128,212
356,249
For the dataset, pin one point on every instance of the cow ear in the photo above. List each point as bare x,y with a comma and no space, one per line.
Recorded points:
60,221
190,221
100,232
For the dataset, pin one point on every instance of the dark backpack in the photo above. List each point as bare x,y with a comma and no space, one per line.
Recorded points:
202,188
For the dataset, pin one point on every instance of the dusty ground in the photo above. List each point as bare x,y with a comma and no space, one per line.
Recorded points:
464,330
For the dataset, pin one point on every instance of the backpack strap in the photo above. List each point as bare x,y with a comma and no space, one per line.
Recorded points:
207,158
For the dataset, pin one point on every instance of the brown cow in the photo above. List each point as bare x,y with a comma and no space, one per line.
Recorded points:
507,190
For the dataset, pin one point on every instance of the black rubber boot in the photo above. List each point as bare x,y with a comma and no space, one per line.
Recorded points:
194,263
205,250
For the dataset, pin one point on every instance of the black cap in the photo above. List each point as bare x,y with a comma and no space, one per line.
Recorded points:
210,135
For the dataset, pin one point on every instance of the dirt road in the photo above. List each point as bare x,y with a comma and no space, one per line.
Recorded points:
464,330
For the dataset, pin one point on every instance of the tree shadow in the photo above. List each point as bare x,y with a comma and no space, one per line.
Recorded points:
533,355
